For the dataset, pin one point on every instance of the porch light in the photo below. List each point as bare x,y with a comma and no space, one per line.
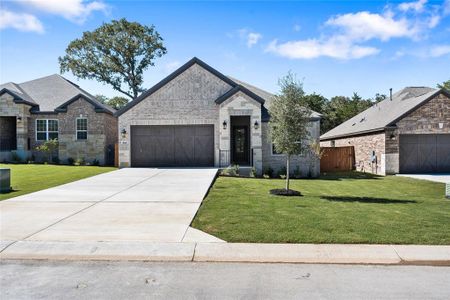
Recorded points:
19,119
224,124
123,132
256,125
392,137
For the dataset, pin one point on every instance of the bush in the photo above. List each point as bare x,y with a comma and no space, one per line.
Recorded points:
231,171
80,162
15,157
95,162
253,172
70,161
282,173
56,160
48,148
297,173
268,172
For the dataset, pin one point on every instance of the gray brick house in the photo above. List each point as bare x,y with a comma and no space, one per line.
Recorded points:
199,117
53,107
407,133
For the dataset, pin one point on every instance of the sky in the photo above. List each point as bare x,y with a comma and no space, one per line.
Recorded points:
333,47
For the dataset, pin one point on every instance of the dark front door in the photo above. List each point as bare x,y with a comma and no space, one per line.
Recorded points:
172,146
240,145
424,153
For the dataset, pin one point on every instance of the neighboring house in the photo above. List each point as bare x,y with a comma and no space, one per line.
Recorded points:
197,117
53,107
406,133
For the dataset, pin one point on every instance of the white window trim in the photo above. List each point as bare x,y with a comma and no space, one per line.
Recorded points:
76,129
274,154
46,131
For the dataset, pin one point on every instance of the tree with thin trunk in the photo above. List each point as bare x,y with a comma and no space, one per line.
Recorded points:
116,54
289,121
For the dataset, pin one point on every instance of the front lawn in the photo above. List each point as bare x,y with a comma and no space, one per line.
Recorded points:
340,208
28,178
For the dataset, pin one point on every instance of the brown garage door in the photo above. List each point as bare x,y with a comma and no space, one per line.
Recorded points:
172,146
424,153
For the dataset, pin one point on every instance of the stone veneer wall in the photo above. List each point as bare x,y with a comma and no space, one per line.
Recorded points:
307,165
8,108
364,145
242,105
423,120
186,100
102,130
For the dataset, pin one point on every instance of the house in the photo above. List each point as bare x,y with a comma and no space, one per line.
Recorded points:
408,132
198,117
53,107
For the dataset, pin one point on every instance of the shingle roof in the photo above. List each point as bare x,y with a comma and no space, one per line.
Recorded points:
384,113
51,92
17,92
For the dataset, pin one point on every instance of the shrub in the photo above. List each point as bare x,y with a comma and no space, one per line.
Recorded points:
70,161
231,171
268,172
95,162
48,148
297,173
253,172
15,157
80,162
282,173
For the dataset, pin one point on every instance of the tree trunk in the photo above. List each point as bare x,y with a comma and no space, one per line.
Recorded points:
287,171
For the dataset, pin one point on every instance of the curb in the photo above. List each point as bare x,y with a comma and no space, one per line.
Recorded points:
229,253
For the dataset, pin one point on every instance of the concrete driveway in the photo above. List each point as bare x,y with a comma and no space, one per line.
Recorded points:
155,205
444,178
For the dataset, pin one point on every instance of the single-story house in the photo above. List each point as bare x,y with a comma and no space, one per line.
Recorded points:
409,132
52,107
198,117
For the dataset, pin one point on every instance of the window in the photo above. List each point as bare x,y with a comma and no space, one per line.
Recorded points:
46,129
81,129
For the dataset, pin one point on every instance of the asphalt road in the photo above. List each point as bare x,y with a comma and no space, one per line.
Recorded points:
130,280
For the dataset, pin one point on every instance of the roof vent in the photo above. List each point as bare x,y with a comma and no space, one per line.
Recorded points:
353,124
390,94
362,120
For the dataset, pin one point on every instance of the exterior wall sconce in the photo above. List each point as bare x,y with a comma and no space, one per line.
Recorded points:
256,125
392,137
19,119
123,132
224,124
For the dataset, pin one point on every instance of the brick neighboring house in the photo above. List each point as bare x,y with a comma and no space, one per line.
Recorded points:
406,133
199,117
53,107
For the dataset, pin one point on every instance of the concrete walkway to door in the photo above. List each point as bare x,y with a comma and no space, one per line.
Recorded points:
145,205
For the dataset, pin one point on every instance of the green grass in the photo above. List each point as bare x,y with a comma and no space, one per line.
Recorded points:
340,208
28,178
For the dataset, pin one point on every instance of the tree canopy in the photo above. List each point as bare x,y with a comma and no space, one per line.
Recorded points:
116,53
116,102
445,85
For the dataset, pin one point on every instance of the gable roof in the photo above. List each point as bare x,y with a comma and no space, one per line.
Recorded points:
49,93
258,94
385,113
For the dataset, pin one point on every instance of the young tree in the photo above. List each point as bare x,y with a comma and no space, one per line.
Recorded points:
289,120
116,54
48,148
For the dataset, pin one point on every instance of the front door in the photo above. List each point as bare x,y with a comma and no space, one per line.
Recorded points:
240,145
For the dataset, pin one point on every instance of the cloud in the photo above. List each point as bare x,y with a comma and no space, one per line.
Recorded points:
336,47
251,38
446,7
417,6
439,50
73,10
20,21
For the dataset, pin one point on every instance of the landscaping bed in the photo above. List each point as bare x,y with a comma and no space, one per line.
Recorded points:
336,208
28,178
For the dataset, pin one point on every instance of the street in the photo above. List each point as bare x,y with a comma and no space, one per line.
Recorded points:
139,280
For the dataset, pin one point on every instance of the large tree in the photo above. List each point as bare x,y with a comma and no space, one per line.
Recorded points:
289,121
445,85
115,102
116,54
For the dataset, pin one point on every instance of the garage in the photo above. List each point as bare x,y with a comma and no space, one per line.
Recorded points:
424,153
172,146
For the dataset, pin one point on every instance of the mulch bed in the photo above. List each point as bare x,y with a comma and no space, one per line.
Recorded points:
284,192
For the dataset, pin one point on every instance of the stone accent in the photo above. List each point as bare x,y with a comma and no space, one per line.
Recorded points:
186,100
307,165
8,108
364,145
102,131
242,105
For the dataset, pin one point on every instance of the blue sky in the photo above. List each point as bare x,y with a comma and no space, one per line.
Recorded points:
335,47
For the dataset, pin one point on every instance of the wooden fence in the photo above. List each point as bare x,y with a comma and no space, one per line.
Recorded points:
337,159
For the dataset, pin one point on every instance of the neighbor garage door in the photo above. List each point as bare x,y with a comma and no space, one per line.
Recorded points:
172,146
424,153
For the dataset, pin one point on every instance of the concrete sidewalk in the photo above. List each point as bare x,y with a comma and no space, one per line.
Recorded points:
229,252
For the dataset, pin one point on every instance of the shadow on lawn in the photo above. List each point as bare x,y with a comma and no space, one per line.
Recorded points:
367,200
348,175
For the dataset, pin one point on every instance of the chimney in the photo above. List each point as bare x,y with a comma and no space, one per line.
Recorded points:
390,94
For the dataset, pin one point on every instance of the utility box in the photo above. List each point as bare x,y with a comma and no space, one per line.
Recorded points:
5,180
447,190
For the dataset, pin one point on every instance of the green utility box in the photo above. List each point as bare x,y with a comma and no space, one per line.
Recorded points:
5,180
